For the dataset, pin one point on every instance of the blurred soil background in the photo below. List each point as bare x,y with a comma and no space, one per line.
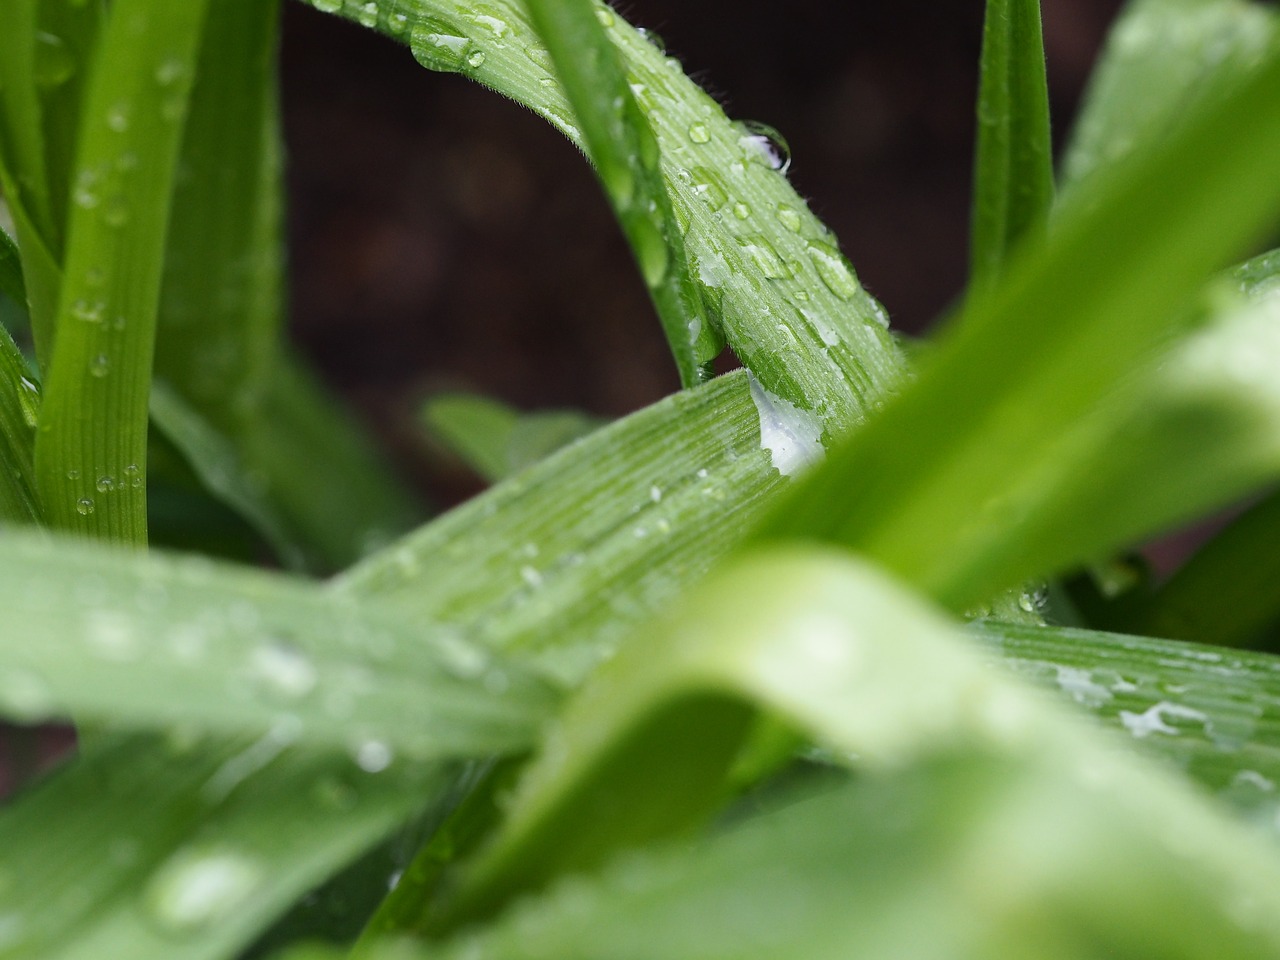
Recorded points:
442,237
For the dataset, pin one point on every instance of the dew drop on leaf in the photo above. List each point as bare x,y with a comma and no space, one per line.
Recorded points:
197,888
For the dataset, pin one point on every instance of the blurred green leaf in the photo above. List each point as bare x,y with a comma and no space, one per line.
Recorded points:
1013,169
148,643
1161,60
496,440
950,486
182,848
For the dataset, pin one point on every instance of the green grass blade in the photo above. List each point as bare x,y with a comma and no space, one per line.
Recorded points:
93,429
852,660
561,560
626,156
788,302
148,643
19,408
158,849
1213,712
1013,169
1161,59
1225,594
496,440
924,488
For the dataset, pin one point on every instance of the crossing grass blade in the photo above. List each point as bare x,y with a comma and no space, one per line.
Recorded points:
626,156
19,409
926,487
1013,170
876,676
91,446
12,284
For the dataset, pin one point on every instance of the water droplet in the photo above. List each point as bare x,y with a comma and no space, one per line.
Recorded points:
283,669
789,218
699,133
170,71
196,888
540,56
763,143
85,193
706,186
111,635
118,117
655,494
651,251
440,45
741,210
487,18
100,365
25,696
133,476
54,63
88,311
327,6
368,15
84,506
792,436
531,576
116,213
833,270
73,474
105,484
475,58
373,756
29,398
605,18
761,253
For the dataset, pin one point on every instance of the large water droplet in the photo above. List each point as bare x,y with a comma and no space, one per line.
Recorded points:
833,270
105,483
440,45
789,218
765,257
197,888
84,506
29,398
54,63
765,144
699,133
373,756
283,669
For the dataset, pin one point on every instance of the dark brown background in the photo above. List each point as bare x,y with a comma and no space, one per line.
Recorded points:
444,237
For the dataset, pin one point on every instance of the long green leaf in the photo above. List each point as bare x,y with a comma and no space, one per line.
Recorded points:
93,431
183,848
788,302
12,284
926,487
561,560
1161,59
626,155
149,643
864,667
1013,170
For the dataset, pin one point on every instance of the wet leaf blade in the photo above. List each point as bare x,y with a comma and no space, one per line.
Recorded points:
12,284
19,403
1013,171
787,301
561,560
189,851
94,416
149,643
923,481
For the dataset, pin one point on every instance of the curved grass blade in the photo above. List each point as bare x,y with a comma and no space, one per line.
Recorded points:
942,860
852,660
496,440
93,429
12,284
149,643
626,156
19,408
192,846
1162,59
561,560
1013,169
787,301
932,487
